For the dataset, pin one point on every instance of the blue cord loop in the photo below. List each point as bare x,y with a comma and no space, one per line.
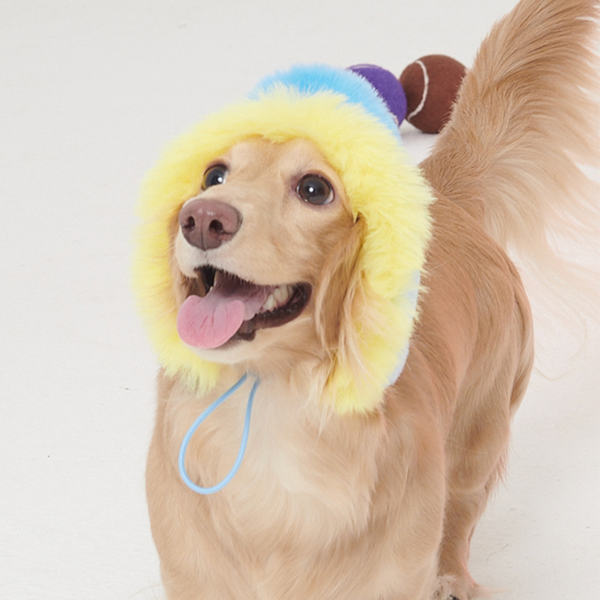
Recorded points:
199,421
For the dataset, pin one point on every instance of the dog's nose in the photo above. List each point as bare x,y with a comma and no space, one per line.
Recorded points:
207,224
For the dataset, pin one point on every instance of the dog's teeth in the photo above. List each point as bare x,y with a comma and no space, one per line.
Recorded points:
270,303
278,297
281,294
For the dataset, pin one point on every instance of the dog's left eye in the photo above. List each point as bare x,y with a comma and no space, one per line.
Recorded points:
315,190
214,176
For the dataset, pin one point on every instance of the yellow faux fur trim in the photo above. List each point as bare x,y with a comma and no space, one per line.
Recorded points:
389,193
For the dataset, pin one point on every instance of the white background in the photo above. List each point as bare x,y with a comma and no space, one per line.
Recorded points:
89,94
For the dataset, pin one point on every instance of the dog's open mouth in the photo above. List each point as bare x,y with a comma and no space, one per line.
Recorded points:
229,308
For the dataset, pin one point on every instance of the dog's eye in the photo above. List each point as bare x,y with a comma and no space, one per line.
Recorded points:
214,176
315,190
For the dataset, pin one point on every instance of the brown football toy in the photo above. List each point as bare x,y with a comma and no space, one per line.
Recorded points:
431,85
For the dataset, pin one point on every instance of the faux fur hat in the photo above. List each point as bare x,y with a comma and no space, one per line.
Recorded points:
346,119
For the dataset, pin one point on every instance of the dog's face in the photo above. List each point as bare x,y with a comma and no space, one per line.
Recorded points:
254,250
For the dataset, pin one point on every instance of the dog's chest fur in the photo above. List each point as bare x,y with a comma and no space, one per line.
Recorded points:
306,473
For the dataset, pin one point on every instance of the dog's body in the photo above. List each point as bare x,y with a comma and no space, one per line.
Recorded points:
380,504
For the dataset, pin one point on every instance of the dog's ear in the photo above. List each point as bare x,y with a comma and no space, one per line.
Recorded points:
338,285
358,328
344,307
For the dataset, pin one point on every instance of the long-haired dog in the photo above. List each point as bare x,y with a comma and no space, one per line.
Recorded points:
374,306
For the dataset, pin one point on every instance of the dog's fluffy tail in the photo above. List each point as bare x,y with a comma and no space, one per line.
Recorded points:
524,130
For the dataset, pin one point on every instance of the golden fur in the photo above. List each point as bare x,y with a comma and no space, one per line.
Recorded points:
378,506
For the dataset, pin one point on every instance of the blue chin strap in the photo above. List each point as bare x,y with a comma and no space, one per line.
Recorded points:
200,420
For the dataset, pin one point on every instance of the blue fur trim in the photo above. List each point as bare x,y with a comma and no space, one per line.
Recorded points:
311,79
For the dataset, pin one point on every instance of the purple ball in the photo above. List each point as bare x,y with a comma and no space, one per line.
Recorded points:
388,88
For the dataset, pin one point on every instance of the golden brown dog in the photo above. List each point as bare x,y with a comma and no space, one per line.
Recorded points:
379,505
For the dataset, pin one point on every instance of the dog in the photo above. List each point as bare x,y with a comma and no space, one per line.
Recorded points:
262,264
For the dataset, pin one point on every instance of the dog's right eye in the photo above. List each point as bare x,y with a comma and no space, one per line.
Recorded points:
214,176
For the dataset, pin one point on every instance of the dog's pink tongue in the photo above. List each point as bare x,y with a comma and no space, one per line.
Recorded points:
211,321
